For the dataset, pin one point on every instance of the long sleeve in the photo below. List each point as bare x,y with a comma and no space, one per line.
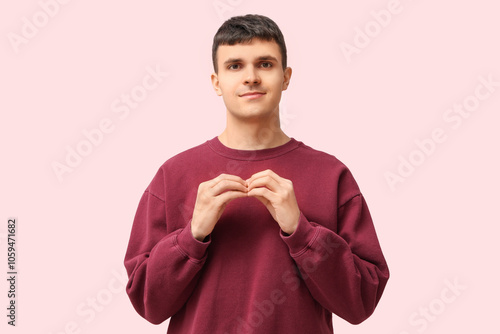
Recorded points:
163,267
345,271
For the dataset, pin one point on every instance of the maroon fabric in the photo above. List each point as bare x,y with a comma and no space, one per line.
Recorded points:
248,276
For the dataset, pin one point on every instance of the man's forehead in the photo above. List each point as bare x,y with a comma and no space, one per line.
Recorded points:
255,48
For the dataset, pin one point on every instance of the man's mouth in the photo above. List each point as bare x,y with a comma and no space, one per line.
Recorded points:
253,95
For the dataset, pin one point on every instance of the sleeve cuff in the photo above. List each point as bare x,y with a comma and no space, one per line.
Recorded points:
302,237
192,247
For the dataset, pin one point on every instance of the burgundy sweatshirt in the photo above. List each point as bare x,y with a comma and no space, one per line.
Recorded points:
248,276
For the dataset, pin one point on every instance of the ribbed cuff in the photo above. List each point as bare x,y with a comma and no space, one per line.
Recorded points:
190,245
302,237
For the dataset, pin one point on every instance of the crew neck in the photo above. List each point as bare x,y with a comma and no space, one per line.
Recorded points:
267,153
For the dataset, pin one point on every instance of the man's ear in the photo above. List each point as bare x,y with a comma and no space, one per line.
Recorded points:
215,83
286,77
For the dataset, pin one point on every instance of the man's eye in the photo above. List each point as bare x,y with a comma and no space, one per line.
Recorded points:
233,66
267,65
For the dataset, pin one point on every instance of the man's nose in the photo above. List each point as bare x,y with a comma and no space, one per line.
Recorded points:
251,75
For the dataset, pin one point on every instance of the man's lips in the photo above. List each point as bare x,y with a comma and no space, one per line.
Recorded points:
252,95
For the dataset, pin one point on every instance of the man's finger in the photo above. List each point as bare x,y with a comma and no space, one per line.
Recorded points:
266,172
264,181
213,182
227,185
264,192
228,196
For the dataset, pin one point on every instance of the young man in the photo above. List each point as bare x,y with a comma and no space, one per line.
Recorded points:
224,242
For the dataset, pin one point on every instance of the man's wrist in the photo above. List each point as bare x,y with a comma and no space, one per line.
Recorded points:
198,235
289,231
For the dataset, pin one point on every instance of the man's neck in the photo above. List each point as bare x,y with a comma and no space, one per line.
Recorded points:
257,135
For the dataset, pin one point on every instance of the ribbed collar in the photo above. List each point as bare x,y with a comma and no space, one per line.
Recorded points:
267,153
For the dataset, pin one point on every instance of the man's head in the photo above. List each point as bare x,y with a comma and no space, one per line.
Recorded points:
242,29
250,63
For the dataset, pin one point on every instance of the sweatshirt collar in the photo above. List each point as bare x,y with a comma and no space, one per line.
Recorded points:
216,145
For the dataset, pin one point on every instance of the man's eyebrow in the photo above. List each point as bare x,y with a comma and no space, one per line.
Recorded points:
239,60
233,60
268,58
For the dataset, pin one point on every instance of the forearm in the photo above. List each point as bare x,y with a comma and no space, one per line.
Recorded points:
162,263
160,281
346,277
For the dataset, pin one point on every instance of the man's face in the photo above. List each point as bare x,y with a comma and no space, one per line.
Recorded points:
251,67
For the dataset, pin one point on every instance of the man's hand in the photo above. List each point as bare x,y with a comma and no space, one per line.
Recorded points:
211,200
277,194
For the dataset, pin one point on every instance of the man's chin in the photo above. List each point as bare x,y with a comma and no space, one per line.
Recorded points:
251,114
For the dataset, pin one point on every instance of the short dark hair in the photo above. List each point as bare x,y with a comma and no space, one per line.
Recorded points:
241,29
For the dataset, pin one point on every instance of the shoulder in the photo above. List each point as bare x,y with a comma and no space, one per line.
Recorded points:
318,155
323,160
175,167
186,157
327,166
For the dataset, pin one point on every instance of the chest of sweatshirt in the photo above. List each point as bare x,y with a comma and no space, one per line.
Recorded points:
321,185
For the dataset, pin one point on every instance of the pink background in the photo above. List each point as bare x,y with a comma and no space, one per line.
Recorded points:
367,109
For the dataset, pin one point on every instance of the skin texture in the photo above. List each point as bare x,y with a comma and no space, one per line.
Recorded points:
252,123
